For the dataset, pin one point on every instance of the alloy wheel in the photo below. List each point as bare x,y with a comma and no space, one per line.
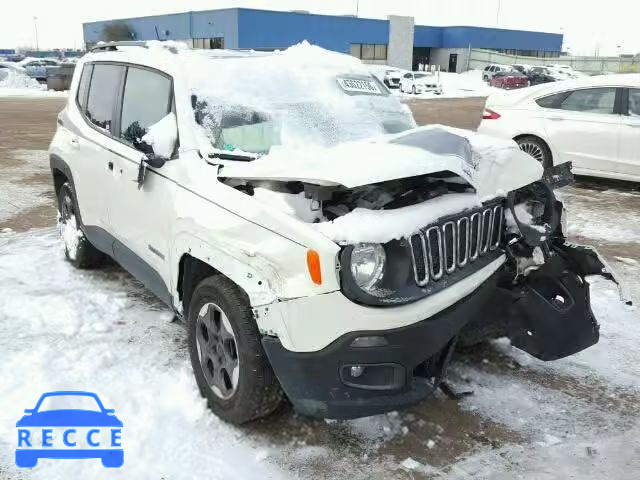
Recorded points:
217,351
533,149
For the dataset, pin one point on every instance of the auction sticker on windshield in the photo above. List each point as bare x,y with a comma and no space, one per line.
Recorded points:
358,85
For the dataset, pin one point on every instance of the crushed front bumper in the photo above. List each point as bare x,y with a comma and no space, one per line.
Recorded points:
400,367
373,371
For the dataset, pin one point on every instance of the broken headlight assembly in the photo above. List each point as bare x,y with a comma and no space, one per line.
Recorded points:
533,213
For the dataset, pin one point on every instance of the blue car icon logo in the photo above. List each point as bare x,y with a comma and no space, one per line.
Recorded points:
69,424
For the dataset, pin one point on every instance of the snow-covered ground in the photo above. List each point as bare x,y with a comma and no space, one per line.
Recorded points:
16,84
101,331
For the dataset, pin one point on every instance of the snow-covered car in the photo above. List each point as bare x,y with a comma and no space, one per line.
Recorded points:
318,244
392,78
420,82
490,70
509,80
592,122
538,75
37,67
6,67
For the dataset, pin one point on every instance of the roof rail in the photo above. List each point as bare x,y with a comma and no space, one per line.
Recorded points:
113,46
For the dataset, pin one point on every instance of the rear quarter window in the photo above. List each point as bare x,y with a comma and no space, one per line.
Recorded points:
552,101
83,87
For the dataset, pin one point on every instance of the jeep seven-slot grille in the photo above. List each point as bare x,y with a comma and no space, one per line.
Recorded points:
456,243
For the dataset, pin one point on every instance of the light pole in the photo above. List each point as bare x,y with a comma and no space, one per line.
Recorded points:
35,25
498,14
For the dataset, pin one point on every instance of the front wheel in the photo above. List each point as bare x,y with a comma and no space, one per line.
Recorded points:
229,363
536,148
77,247
413,89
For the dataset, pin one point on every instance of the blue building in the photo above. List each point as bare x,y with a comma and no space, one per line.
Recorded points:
395,41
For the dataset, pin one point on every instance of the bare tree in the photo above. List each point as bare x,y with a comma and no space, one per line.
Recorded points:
117,31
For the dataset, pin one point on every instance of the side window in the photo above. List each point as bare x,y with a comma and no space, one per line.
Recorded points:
103,92
593,100
634,102
552,101
147,100
407,75
83,87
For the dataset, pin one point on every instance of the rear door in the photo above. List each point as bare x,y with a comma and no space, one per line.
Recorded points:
90,155
629,159
584,128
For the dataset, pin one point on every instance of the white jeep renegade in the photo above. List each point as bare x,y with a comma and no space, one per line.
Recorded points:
318,244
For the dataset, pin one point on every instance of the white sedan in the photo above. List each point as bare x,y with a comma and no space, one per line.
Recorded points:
420,82
592,122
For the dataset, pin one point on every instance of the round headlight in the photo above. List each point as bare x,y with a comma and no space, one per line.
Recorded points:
367,265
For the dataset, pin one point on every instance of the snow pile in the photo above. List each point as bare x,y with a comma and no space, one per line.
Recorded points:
19,84
162,136
19,80
381,226
297,93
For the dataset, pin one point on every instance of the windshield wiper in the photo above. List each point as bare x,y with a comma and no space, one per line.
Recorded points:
232,156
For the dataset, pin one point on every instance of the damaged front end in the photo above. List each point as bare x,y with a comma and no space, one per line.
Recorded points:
542,300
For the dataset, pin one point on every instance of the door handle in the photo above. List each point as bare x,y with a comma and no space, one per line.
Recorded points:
633,125
75,142
110,166
556,119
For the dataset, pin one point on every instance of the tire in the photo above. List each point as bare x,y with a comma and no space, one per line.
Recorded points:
77,248
413,89
537,148
223,336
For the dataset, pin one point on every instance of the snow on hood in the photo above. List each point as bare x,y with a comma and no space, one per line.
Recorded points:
492,166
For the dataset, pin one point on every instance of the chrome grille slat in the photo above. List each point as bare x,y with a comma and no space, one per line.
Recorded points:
435,275
462,260
454,244
423,264
496,234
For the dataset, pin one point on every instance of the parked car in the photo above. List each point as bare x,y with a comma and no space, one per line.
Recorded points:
490,70
6,67
592,122
420,82
522,68
509,80
392,78
37,67
538,75
318,244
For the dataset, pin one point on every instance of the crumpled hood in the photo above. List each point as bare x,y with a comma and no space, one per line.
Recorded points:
492,166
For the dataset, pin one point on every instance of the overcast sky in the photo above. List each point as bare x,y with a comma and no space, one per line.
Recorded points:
611,26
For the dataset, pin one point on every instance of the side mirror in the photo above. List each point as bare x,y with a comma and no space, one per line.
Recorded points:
28,410
155,161
109,411
161,139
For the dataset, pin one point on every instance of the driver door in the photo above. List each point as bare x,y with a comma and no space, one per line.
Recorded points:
142,216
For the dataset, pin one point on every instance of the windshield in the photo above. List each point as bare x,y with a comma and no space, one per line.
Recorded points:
297,98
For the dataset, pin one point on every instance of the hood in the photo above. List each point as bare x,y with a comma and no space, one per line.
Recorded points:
492,166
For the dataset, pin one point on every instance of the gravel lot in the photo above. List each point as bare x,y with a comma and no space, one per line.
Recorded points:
575,418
